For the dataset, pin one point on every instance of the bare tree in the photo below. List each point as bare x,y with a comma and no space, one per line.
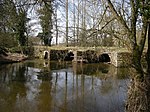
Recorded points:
56,20
78,14
74,22
139,93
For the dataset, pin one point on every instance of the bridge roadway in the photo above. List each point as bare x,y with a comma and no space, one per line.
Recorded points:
118,56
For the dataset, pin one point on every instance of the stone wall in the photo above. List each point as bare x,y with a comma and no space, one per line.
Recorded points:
58,54
120,59
113,58
39,52
124,59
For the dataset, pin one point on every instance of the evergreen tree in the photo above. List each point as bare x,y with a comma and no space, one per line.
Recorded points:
45,13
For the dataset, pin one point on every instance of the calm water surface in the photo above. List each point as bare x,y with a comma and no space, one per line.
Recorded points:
43,86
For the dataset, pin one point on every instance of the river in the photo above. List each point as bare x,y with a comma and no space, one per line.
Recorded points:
44,86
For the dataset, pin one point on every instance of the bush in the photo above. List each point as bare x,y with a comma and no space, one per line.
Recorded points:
7,40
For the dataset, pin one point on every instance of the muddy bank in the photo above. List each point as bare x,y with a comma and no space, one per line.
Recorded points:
12,58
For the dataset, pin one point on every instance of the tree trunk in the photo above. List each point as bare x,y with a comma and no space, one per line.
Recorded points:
56,25
139,90
74,22
136,62
66,23
78,14
148,51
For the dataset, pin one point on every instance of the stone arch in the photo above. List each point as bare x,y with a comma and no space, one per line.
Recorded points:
46,55
69,56
104,57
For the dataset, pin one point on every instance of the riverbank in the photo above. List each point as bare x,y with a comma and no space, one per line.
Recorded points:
12,58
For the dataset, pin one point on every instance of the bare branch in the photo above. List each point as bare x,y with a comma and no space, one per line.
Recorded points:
119,18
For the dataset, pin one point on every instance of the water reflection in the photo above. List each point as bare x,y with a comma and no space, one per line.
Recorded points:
43,86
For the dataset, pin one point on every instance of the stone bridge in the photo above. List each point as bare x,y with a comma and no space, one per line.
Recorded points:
117,56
